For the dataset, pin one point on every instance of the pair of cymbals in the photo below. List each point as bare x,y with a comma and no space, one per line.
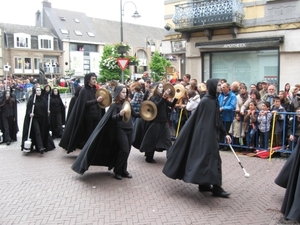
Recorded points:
179,91
148,110
106,97
127,108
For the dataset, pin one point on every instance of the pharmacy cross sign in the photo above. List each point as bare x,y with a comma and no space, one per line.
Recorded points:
122,63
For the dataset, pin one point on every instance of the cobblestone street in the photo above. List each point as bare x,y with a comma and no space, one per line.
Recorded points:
42,189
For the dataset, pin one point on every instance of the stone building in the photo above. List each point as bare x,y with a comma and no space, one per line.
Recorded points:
75,41
248,40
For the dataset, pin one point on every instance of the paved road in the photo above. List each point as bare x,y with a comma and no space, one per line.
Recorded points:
42,189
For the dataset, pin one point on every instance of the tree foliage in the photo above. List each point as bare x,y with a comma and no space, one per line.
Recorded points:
158,66
109,68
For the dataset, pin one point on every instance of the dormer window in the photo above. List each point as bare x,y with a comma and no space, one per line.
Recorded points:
78,33
45,42
22,40
76,20
62,18
90,34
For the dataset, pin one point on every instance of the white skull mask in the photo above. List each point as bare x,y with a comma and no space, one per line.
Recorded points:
160,89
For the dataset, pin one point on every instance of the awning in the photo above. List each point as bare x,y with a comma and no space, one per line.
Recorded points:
242,43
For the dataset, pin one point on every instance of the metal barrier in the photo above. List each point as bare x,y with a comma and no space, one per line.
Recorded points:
286,145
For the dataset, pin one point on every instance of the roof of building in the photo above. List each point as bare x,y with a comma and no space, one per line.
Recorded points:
32,30
104,31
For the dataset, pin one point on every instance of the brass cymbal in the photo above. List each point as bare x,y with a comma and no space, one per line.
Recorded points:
171,87
126,106
179,91
148,110
106,97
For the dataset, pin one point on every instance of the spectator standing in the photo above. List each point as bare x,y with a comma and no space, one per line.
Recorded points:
264,123
227,104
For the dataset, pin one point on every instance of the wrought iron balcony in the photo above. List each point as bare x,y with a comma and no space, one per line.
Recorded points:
208,14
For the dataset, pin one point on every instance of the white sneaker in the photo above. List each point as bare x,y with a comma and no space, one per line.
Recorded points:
26,150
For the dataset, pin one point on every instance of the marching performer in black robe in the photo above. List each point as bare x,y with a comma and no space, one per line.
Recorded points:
57,114
151,136
194,157
9,118
84,117
39,133
73,100
289,178
110,143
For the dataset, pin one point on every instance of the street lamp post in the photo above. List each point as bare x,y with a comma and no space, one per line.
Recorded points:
135,15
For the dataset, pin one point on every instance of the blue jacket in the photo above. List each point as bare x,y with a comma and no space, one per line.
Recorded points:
228,106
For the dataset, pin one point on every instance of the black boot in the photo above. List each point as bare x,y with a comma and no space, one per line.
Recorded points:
218,191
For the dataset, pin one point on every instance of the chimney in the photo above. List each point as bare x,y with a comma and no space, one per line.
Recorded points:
46,4
37,18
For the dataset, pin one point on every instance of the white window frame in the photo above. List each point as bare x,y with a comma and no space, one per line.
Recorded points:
42,39
22,40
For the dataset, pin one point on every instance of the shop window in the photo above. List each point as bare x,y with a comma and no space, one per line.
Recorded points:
220,69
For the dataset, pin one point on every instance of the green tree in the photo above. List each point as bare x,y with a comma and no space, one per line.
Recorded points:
109,68
158,66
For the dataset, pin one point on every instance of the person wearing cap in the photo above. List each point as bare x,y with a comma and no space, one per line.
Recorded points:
84,117
264,86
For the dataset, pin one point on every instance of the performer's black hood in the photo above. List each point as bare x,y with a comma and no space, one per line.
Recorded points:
211,86
118,90
87,77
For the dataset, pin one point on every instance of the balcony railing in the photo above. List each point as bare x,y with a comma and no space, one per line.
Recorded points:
205,14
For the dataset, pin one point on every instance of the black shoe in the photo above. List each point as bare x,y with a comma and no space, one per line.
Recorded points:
220,192
205,188
8,143
128,175
118,177
42,150
150,160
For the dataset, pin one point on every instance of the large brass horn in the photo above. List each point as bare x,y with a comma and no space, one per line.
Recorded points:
179,91
169,86
127,108
106,97
148,110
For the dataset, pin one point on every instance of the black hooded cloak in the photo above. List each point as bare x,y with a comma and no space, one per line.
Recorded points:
73,100
289,178
74,135
194,157
101,149
150,136
11,112
42,107
57,109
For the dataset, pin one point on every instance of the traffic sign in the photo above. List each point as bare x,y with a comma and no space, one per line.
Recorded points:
122,62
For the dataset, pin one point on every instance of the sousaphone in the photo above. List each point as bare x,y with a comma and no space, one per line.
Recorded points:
179,91
148,110
106,97
127,108
171,87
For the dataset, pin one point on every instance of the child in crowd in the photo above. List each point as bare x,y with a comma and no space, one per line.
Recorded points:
237,130
251,120
276,109
264,124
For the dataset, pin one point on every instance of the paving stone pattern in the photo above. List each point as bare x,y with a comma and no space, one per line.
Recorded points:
42,189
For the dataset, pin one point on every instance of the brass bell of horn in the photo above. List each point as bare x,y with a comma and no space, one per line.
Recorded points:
179,91
171,87
148,110
127,108
106,97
